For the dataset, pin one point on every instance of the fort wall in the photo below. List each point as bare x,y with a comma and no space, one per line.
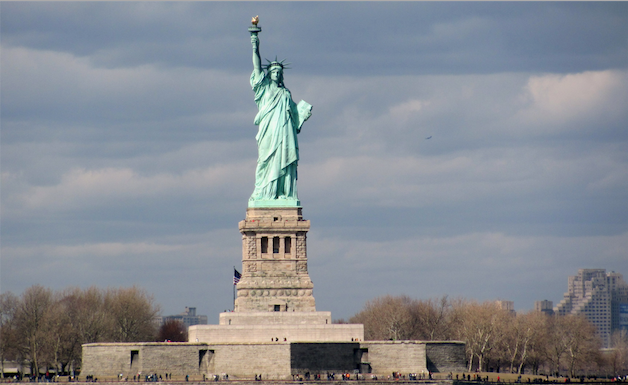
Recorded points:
273,360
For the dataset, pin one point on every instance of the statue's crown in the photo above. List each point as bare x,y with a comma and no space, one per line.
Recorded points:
276,63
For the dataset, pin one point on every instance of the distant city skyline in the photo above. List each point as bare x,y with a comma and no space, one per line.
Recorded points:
128,147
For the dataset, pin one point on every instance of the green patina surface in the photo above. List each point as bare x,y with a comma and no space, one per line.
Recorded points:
275,203
279,119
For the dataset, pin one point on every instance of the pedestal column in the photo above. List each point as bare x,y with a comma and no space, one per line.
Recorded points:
274,278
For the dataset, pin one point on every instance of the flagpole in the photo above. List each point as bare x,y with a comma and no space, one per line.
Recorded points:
234,285
236,279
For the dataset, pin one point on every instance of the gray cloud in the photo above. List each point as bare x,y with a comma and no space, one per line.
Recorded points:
347,38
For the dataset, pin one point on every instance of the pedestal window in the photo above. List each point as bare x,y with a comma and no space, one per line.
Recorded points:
287,244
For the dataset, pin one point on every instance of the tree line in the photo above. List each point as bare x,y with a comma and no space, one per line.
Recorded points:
45,329
497,339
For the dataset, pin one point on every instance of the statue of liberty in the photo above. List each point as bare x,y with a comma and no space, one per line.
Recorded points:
279,120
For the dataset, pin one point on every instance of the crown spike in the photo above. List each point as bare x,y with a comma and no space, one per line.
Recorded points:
276,63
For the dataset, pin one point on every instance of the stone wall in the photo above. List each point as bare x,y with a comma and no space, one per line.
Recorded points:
446,356
283,333
275,318
276,360
386,357
320,358
247,360
178,358
107,359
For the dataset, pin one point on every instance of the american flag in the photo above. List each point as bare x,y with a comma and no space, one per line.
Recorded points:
236,276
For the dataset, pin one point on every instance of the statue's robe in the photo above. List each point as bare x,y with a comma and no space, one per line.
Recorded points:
279,123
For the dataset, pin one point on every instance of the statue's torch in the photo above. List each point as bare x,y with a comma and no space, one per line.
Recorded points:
254,29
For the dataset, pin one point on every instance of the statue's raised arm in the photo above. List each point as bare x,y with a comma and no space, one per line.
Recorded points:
279,119
257,60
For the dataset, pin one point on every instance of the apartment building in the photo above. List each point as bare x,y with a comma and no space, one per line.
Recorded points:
601,297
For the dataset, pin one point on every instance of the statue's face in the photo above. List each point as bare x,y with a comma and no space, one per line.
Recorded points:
276,74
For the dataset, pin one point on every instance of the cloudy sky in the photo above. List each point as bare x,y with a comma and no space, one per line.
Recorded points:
128,151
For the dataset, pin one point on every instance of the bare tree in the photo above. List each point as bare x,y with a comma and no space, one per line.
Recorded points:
78,317
131,313
518,338
480,329
506,345
433,319
173,330
570,339
618,357
531,333
87,313
47,329
8,339
582,343
33,327
557,341
386,318
63,340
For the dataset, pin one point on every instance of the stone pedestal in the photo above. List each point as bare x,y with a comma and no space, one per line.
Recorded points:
274,262
275,304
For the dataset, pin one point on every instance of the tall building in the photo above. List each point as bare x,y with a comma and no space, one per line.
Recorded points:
545,306
601,297
188,317
506,305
